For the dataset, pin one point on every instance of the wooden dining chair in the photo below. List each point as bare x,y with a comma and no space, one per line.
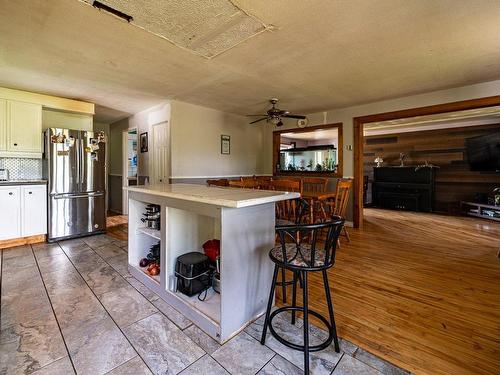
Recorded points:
264,182
219,182
337,206
236,183
316,184
287,210
246,183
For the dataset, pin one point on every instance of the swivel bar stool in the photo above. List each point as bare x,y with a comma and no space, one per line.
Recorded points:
305,248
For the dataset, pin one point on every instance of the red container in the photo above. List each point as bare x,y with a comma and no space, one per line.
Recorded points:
211,249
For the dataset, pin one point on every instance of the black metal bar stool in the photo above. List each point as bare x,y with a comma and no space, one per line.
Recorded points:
290,212
305,248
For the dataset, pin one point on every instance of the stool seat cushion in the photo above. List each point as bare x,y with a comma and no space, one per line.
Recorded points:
298,255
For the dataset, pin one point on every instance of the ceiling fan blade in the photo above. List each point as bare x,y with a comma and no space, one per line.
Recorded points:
261,119
255,115
294,116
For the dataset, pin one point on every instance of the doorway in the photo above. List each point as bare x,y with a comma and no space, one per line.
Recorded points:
130,164
359,122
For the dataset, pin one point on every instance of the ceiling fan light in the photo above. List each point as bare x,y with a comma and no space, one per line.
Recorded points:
275,120
280,123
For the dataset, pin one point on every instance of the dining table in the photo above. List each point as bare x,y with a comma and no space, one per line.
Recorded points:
314,197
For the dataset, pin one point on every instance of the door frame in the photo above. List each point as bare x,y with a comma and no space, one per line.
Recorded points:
125,166
359,122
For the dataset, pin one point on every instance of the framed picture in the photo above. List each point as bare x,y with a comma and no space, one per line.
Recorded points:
144,142
225,144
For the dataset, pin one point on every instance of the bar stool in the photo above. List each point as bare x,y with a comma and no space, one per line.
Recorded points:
305,248
290,212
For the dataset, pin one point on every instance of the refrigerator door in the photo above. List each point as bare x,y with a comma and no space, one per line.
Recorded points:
62,150
93,163
73,215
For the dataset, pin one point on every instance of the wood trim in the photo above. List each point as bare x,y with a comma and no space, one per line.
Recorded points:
359,122
48,101
340,150
4,244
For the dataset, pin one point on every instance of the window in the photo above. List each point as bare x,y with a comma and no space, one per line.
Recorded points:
310,151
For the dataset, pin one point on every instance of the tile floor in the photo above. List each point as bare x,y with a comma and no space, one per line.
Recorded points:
73,307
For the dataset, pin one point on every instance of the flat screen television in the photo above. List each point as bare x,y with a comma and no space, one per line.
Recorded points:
483,152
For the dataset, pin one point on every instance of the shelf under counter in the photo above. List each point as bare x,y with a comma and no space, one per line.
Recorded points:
155,233
242,219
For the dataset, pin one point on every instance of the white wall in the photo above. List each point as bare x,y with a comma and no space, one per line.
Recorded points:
143,122
346,115
195,143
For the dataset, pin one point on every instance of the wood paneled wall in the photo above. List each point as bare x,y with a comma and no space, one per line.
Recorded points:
445,148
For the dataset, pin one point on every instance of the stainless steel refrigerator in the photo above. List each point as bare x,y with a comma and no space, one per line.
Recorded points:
75,167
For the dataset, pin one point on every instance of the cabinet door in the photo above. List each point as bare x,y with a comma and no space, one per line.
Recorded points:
34,210
3,124
10,219
24,127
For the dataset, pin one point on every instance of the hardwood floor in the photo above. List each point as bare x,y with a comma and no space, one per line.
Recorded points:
420,290
117,226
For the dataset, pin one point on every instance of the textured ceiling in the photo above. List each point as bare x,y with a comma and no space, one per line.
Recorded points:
317,54
207,28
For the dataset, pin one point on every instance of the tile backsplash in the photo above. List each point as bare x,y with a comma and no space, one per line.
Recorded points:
22,168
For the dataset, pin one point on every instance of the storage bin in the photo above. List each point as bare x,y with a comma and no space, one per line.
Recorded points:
193,273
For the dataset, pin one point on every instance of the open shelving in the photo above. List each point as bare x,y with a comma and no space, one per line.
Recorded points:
484,211
155,233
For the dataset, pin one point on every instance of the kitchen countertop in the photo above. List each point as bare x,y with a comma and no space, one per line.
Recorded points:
22,182
219,196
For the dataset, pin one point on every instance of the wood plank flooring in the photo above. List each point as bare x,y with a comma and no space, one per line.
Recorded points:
420,290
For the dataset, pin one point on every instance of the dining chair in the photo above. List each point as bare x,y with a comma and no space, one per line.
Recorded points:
219,182
316,184
337,205
288,209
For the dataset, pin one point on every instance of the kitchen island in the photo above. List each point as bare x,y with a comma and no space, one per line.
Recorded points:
243,221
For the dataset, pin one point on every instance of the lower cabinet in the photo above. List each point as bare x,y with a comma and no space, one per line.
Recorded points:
10,215
24,211
33,210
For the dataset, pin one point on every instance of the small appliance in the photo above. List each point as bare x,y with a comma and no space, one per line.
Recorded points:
4,175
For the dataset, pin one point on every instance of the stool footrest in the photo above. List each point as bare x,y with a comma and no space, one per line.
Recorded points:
312,348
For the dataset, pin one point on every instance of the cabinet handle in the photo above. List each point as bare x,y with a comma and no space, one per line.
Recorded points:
10,193
30,192
15,144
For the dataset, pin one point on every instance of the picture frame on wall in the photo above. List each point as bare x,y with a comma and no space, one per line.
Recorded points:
225,144
144,142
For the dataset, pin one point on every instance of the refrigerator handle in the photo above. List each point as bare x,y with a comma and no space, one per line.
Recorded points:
78,164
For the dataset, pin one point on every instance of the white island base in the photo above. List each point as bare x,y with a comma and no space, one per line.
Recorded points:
242,219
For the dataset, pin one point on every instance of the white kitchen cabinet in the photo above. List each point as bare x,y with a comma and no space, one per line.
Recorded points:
3,124
33,210
10,216
24,127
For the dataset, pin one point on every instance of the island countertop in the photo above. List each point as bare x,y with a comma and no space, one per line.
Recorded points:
219,196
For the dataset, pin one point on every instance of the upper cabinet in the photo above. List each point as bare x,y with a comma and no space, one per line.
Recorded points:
3,125
24,127
20,129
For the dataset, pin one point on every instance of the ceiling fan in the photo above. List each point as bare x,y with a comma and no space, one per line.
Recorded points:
274,115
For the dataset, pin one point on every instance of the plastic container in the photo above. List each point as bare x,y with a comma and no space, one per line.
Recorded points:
212,249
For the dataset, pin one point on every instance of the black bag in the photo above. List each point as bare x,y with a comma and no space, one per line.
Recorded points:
193,273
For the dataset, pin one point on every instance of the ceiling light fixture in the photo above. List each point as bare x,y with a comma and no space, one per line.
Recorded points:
113,11
274,120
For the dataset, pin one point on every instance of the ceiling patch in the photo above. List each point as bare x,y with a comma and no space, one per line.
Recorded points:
207,28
